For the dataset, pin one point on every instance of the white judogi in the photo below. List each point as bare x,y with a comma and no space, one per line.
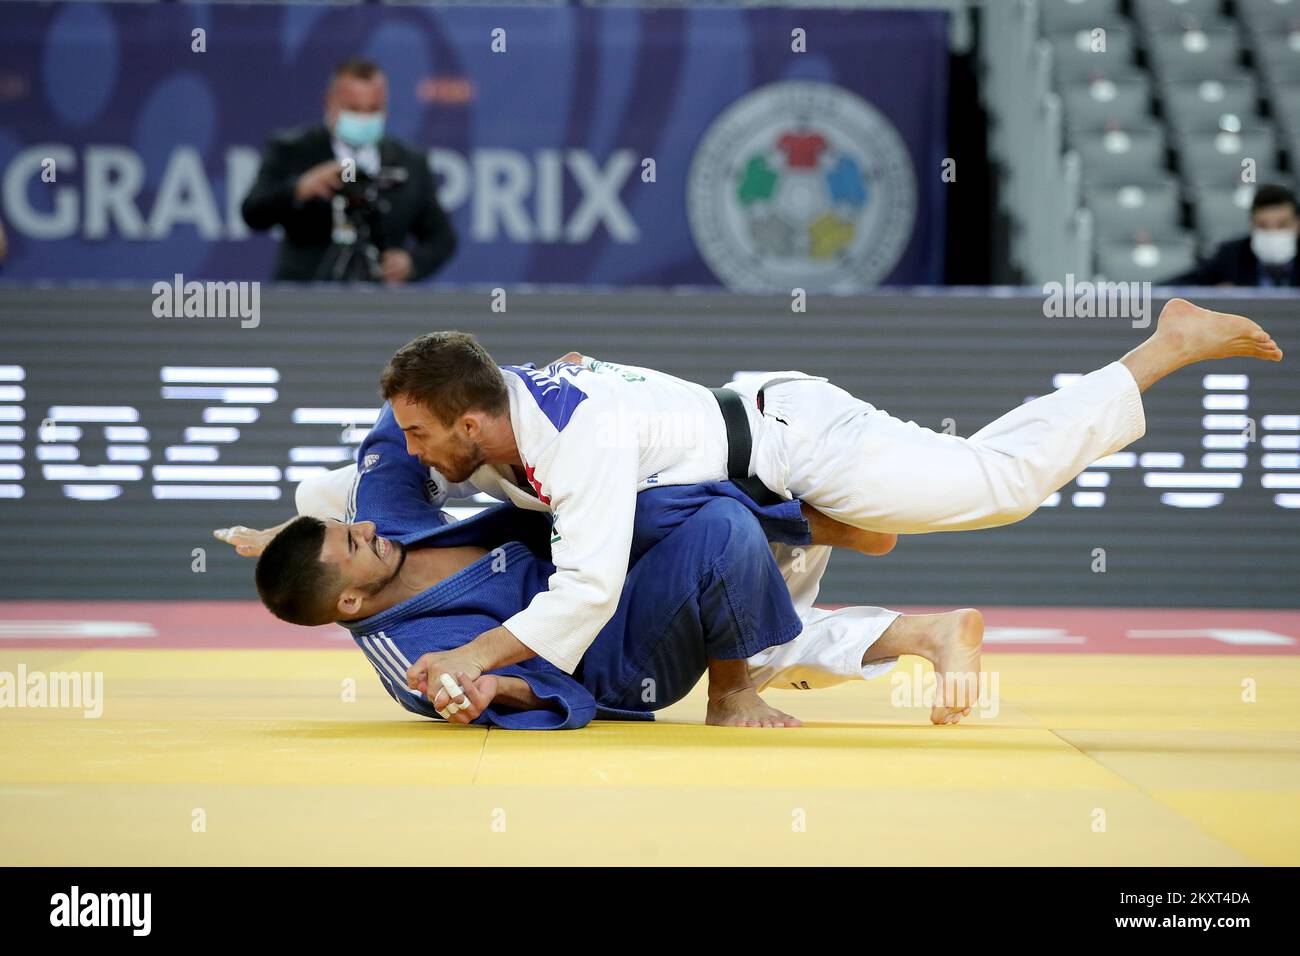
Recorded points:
828,651
816,442
830,648
591,436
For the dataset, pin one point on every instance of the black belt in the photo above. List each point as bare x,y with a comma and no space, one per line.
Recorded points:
739,441
740,445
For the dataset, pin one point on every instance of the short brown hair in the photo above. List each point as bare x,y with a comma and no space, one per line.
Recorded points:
448,373
358,67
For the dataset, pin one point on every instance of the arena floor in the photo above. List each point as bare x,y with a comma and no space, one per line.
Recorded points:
227,739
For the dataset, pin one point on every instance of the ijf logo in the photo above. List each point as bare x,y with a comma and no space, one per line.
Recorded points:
801,184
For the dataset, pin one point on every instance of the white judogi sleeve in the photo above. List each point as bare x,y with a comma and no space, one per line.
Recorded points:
591,484
327,495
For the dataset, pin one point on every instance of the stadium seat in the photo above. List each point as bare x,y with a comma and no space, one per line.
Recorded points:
1125,211
1218,157
1104,103
1270,16
1279,58
1077,61
1079,71
1184,136
1146,261
1293,150
1196,54
1059,16
1286,106
1163,14
1230,177
1199,106
1118,157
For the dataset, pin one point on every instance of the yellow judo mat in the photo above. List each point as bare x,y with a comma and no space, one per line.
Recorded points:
270,757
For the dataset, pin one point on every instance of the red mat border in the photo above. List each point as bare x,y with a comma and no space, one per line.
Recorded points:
245,625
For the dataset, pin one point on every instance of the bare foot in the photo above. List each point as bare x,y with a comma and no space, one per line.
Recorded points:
744,708
956,660
1186,333
1201,334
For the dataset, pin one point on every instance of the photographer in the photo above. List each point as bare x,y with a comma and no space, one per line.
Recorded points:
348,197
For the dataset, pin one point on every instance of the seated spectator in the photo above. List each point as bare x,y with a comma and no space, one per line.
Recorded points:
1266,258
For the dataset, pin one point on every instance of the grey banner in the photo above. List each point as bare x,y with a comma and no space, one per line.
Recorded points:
142,413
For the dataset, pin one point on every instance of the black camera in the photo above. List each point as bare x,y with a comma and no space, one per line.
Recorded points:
356,241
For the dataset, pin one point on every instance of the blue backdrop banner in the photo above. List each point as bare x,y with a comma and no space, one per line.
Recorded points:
759,149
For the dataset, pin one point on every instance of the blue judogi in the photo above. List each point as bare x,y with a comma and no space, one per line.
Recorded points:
702,584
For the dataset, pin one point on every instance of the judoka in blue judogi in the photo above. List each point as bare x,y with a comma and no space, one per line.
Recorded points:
702,584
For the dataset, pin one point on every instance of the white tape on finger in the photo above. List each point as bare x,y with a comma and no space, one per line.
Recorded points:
453,690
450,686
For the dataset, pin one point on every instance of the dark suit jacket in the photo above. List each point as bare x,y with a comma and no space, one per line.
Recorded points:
1232,262
413,208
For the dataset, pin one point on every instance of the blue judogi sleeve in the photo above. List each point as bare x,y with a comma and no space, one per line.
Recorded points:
454,612
571,705
393,489
396,492
575,705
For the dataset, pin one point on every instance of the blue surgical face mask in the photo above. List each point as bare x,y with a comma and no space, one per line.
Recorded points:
359,129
